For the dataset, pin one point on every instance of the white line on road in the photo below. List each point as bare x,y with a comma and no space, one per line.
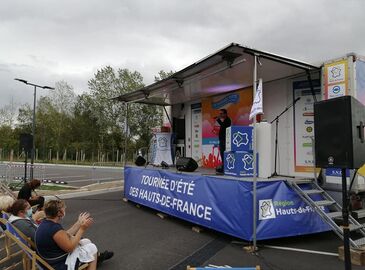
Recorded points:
84,193
71,176
95,180
303,250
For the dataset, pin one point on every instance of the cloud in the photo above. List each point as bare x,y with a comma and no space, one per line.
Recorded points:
46,40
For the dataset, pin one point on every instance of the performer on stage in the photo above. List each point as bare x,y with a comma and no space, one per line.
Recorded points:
224,121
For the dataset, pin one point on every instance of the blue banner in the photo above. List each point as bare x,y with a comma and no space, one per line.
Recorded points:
336,172
281,212
224,205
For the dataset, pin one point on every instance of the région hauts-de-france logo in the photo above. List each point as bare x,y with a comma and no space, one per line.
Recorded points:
336,72
162,142
247,162
240,138
266,209
230,161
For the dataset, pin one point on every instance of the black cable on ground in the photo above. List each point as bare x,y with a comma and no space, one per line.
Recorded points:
200,256
271,266
262,259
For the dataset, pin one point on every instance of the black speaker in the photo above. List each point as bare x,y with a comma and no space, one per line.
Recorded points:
140,161
26,142
164,165
339,133
186,164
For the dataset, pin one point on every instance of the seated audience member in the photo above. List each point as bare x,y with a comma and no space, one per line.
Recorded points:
21,218
64,249
6,202
25,193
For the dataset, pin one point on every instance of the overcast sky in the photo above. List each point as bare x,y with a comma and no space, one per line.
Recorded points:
44,41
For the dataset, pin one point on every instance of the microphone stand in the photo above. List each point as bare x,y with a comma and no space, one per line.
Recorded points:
276,120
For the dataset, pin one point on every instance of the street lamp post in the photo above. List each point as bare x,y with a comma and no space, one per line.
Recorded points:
33,121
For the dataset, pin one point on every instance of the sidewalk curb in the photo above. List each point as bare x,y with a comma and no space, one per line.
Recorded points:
84,193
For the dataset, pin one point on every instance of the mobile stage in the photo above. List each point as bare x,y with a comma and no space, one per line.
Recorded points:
191,98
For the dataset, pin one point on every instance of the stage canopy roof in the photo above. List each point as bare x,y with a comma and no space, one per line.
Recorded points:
229,69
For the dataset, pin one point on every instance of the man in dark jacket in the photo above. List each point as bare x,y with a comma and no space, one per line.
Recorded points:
224,121
25,193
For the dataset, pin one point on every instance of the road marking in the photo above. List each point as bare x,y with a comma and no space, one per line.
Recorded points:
84,193
95,180
71,176
303,250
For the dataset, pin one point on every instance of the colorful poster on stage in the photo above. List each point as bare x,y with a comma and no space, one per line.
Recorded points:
304,124
238,104
336,79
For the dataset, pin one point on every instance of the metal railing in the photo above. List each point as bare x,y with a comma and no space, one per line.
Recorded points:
13,172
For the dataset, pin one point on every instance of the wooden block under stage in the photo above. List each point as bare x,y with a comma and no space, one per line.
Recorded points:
197,229
250,249
162,215
357,255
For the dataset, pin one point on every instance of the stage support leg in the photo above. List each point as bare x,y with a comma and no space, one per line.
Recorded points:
254,203
345,224
126,134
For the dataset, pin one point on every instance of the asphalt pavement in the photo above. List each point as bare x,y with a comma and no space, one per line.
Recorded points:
142,240
74,175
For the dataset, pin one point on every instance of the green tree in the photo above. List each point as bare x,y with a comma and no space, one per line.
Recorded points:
54,114
161,75
85,130
61,108
25,116
8,114
108,84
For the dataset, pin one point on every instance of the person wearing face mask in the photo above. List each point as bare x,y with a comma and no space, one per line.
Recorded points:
64,249
21,218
